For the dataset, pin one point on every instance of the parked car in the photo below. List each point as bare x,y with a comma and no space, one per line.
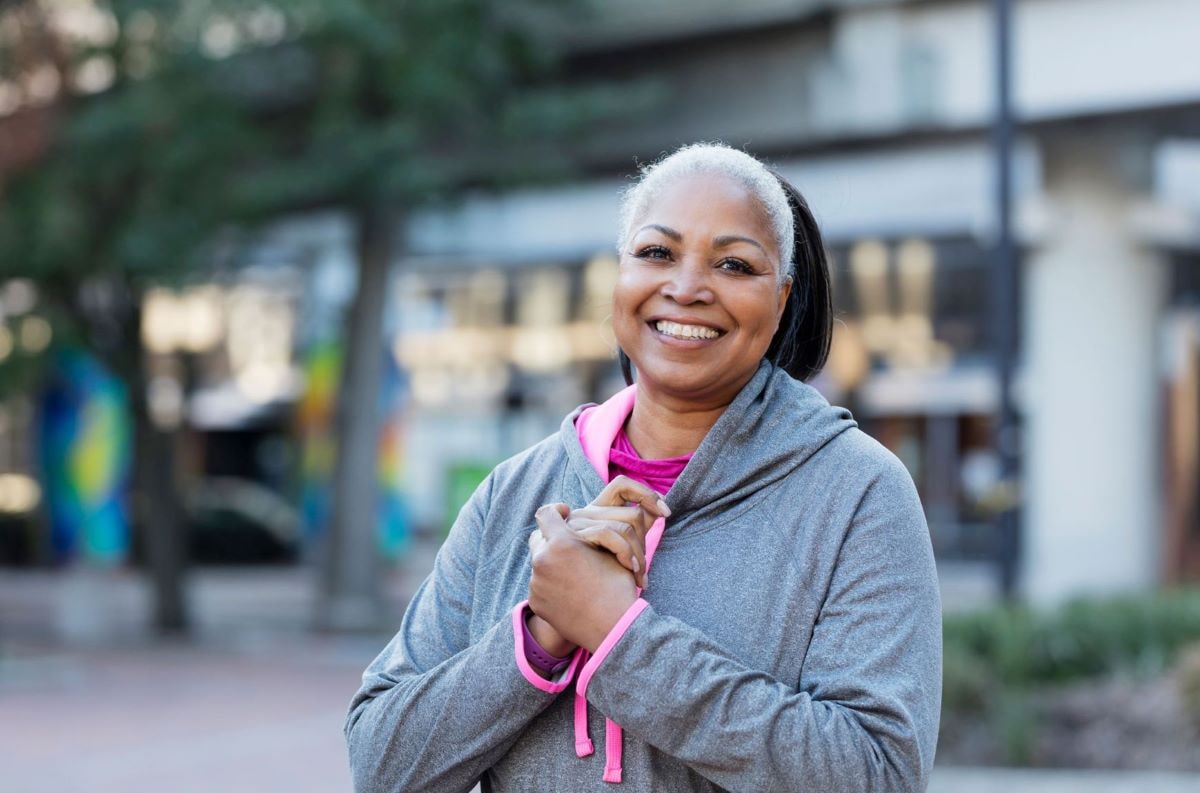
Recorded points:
239,521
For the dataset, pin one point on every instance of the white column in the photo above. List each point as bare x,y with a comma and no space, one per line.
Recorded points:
1091,299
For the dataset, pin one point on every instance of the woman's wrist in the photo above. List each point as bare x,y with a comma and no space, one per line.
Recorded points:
547,637
603,621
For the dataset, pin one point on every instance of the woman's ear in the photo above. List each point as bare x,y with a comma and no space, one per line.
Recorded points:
784,292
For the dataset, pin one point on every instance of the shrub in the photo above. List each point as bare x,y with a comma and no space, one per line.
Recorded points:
1017,647
1188,671
999,662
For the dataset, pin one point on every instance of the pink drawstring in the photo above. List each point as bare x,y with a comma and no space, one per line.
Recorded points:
583,744
614,736
613,739
652,537
613,749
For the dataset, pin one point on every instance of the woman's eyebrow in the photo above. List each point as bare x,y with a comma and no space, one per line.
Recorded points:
728,239
721,241
672,233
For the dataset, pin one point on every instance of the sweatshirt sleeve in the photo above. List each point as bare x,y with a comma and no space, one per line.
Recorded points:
436,709
865,716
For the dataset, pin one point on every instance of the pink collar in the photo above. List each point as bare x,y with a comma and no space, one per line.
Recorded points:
597,427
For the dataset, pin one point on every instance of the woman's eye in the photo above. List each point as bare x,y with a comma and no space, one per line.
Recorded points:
736,266
654,252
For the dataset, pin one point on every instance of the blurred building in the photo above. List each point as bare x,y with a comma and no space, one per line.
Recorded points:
879,111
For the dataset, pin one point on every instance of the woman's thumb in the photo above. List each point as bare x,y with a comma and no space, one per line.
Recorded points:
551,519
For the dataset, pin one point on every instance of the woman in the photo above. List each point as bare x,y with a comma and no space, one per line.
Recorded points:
736,582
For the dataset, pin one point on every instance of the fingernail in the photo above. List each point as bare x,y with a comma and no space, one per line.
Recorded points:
636,565
665,509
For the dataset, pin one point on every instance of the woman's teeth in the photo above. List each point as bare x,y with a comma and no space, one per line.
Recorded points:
685,331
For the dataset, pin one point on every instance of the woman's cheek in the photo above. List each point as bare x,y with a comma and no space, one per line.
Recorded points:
624,308
636,283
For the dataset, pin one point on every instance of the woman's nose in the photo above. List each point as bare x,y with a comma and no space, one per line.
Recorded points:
688,283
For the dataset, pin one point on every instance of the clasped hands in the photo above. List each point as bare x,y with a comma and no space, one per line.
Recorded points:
587,564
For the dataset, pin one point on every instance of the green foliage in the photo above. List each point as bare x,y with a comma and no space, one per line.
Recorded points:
967,679
997,661
230,111
1015,722
1015,647
222,114
1189,681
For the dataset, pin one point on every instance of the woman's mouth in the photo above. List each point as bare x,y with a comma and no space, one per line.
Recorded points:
683,332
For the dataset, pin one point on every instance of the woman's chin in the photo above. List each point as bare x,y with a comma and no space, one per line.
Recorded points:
692,379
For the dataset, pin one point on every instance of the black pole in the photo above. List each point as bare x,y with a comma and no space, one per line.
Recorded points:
1004,309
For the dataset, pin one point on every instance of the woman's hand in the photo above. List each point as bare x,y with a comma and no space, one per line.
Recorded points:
609,524
578,589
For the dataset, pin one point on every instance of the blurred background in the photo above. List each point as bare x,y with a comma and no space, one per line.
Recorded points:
280,282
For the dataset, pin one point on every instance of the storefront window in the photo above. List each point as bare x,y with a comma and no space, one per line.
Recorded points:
909,347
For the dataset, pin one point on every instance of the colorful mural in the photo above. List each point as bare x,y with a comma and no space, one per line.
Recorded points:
316,413
85,451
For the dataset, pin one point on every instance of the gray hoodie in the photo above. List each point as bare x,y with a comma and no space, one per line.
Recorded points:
791,641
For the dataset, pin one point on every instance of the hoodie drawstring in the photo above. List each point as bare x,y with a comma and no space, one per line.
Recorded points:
614,736
583,744
614,745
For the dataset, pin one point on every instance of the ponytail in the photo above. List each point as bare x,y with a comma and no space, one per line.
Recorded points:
801,344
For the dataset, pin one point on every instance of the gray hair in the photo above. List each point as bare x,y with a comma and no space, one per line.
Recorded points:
713,158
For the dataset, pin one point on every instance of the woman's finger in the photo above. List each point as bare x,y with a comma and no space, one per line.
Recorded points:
627,532
616,542
606,512
623,490
536,542
634,516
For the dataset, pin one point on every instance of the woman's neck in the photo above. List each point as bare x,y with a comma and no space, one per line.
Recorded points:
659,428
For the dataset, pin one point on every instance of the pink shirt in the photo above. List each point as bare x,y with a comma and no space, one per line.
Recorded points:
659,475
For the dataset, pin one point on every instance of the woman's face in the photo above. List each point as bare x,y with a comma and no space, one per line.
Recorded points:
698,297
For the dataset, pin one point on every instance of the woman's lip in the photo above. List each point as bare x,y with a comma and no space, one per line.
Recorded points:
676,341
695,323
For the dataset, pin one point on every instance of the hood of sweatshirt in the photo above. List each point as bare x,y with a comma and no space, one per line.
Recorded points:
771,428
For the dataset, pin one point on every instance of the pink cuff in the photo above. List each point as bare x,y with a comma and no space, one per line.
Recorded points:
610,641
527,671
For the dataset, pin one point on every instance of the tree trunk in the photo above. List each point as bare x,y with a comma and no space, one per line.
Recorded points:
157,508
160,518
350,597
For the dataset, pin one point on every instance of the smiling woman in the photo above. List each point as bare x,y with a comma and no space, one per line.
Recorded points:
701,291
791,639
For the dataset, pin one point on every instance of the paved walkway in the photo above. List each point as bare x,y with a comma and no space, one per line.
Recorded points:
254,704
995,780
180,719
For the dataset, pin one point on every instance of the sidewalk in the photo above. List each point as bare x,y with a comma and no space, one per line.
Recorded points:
178,718
254,704
253,701
997,780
